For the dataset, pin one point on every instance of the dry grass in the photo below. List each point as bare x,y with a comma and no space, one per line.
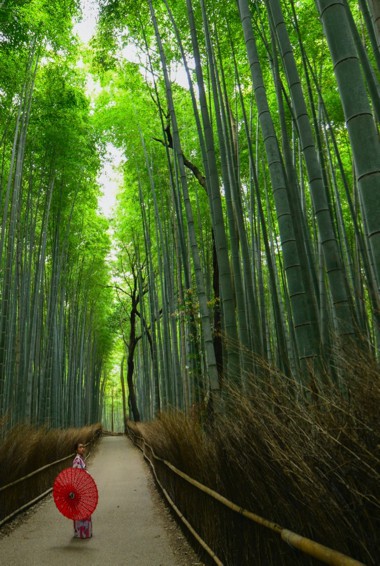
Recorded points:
25,449
308,462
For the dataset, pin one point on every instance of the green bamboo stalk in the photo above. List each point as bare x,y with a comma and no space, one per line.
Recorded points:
306,328
359,119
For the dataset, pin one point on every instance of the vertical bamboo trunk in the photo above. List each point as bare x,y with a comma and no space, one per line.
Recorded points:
359,119
213,191
332,259
375,17
305,324
157,394
206,327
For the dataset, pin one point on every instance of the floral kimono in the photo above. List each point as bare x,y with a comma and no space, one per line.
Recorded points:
83,528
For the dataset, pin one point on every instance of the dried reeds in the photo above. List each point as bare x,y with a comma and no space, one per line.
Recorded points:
25,449
306,461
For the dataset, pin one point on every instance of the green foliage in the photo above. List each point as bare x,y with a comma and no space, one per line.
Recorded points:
132,111
62,241
65,141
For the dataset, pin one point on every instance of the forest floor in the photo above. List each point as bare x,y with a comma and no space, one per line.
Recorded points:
131,525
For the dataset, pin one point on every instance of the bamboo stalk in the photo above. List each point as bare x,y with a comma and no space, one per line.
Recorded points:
317,550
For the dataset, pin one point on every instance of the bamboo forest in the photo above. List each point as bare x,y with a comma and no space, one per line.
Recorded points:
227,303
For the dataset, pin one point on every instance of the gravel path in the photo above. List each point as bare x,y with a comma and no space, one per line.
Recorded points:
131,525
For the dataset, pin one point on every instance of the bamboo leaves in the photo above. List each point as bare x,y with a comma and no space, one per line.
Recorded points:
54,300
283,284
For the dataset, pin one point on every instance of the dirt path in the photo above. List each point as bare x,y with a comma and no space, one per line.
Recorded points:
131,525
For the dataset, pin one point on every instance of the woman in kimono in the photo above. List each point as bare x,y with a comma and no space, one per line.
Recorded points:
83,528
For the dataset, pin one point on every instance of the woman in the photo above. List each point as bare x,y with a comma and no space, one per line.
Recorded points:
83,528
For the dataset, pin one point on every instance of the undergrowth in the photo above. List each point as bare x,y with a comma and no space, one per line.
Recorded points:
25,449
307,461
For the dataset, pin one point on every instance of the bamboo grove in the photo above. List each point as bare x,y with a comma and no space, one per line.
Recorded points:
247,229
248,225
54,296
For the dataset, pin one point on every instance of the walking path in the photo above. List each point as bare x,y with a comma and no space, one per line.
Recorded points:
131,525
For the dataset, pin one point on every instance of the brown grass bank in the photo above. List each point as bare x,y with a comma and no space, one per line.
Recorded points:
25,449
309,463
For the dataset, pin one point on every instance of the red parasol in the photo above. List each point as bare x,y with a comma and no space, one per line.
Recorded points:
75,494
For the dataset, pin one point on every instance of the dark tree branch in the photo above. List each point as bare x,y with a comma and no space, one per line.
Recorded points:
193,168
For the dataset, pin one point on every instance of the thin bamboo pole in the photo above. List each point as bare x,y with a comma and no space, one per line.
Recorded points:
312,548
